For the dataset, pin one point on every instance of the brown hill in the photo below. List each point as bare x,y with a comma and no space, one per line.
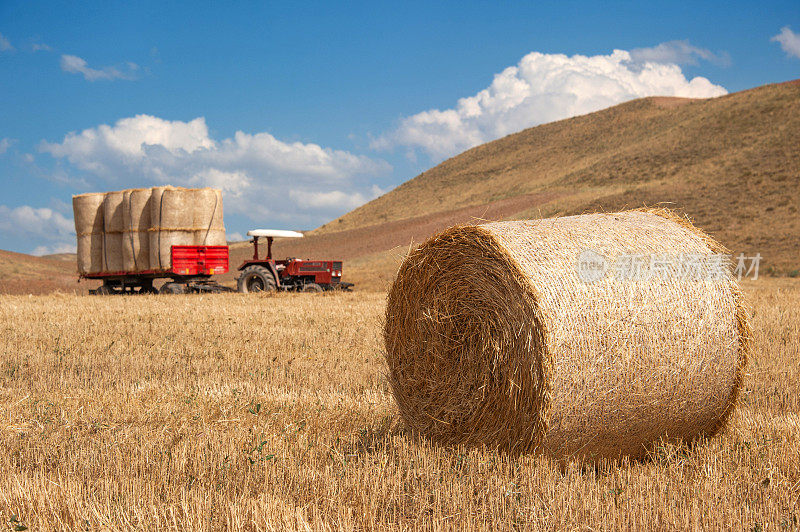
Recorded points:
731,163
26,274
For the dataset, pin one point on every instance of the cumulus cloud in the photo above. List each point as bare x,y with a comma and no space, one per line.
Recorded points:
41,47
262,176
77,65
542,88
55,248
5,44
677,53
5,143
334,198
41,223
790,41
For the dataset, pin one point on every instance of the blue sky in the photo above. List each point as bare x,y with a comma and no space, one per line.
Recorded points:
302,112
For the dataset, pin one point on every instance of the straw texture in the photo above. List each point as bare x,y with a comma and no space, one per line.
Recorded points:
492,337
88,214
134,230
136,218
207,217
172,225
183,217
114,224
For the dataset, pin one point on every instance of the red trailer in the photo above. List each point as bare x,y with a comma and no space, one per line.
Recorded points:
191,271
193,266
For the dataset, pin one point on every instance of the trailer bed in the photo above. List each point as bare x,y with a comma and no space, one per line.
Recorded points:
191,271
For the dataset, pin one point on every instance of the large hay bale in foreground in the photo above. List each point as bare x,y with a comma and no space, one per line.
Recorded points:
113,227
135,241
88,214
494,337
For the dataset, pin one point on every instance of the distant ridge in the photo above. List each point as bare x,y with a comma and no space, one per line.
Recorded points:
26,274
731,163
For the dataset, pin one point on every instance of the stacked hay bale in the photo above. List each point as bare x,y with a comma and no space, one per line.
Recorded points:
494,335
88,214
172,223
134,230
136,241
207,217
113,227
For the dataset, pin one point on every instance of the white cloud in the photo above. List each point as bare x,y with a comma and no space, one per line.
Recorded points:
335,199
41,47
128,141
6,143
790,41
76,65
541,88
55,248
262,177
677,53
26,224
327,200
235,237
27,221
5,44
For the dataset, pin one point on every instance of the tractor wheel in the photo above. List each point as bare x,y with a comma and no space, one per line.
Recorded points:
256,279
312,287
173,288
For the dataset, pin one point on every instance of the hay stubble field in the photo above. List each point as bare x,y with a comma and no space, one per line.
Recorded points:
273,413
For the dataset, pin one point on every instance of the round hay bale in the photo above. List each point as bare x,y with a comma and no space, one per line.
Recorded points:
183,217
165,241
136,218
214,237
207,217
113,226
533,336
172,208
171,223
156,194
87,212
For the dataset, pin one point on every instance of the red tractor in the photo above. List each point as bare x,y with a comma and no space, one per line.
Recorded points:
265,274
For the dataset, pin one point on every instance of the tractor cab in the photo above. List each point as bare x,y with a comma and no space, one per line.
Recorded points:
261,274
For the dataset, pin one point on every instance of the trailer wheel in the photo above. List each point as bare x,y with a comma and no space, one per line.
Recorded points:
104,290
256,279
173,288
312,287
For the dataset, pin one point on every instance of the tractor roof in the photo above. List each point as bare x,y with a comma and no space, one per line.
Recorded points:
277,233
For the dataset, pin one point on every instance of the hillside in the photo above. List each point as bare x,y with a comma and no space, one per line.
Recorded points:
26,274
731,163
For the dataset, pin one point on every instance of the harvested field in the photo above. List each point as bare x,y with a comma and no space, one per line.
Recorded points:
257,413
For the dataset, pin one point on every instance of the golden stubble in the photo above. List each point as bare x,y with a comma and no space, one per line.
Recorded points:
274,413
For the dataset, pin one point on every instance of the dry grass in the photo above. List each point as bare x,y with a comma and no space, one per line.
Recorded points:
243,412
26,274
